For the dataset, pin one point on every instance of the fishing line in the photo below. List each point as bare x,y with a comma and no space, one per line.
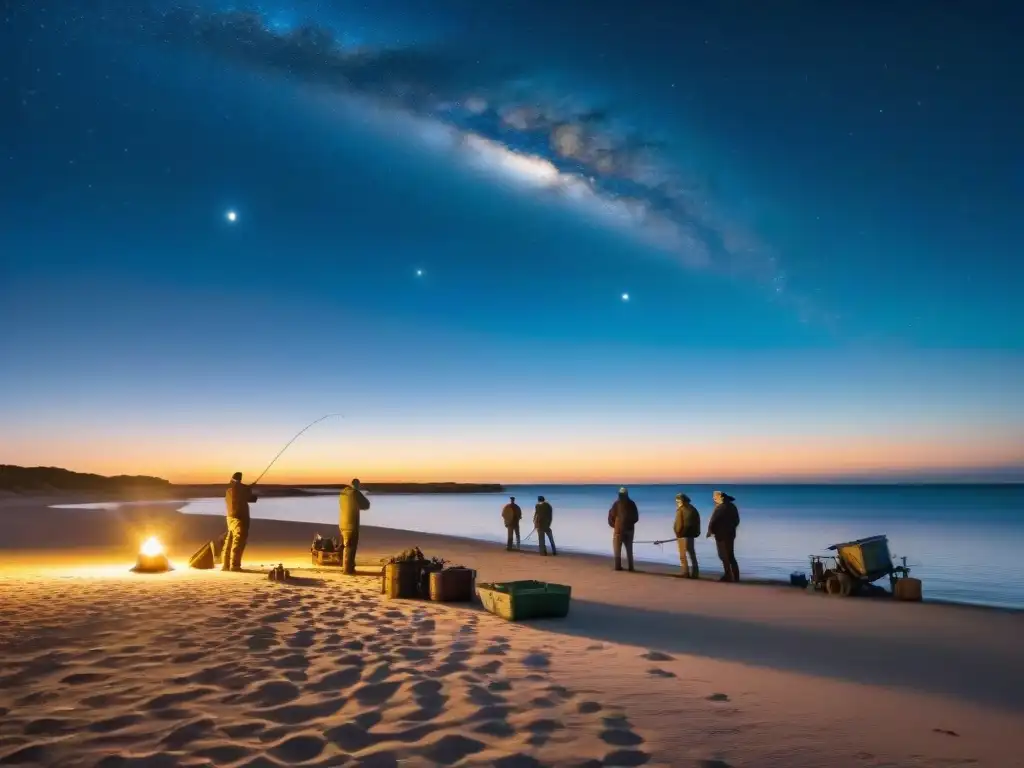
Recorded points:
297,436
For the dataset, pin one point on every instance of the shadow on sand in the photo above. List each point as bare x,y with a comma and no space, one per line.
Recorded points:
933,666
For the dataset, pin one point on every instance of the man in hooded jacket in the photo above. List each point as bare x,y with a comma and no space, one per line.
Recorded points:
511,514
238,498
687,528
723,524
351,502
622,519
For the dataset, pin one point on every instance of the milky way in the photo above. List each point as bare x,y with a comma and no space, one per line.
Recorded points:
585,154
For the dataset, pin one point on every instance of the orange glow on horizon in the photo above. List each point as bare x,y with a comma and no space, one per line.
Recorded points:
740,458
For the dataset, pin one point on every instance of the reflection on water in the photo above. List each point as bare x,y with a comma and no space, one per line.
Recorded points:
962,541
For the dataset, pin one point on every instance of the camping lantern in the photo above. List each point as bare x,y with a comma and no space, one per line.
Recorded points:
152,558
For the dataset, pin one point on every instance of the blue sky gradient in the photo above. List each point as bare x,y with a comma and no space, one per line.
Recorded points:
821,248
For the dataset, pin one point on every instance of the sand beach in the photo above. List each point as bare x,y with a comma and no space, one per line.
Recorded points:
103,667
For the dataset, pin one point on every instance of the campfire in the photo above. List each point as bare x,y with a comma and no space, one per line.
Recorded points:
152,558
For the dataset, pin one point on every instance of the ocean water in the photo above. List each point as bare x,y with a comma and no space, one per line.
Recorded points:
964,542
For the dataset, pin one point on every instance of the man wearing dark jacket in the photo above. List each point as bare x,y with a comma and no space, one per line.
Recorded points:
723,524
238,498
622,519
687,528
511,514
542,516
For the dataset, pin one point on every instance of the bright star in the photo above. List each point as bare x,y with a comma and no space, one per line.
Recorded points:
625,297
231,216
419,273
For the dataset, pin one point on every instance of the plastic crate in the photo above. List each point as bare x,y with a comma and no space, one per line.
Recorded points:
521,600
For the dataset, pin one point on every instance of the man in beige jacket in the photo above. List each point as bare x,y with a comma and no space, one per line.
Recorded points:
351,503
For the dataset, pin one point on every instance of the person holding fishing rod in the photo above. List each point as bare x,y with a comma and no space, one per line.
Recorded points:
238,498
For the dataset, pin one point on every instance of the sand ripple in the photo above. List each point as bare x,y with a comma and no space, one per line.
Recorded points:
231,670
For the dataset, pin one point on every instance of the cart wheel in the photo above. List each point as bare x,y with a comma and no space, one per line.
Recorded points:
846,585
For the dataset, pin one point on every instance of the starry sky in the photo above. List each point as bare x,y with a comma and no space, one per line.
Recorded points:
518,242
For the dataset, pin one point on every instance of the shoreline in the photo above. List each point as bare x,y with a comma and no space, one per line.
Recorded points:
649,567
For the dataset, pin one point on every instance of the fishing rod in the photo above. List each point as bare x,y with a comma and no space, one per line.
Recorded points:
662,541
297,436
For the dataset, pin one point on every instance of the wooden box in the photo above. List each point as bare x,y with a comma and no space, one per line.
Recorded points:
453,585
326,558
908,589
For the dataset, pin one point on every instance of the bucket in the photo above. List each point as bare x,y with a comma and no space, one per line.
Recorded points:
401,580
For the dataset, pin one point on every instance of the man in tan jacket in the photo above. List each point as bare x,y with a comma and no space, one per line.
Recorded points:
687,528
351,503
238,498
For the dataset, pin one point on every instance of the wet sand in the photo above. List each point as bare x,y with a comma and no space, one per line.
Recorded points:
99,666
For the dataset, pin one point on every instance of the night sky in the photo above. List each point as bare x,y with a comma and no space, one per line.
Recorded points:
219,222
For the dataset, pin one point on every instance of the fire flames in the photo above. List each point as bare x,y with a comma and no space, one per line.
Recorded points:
152,547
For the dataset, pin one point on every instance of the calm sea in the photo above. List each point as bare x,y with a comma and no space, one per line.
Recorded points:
964,542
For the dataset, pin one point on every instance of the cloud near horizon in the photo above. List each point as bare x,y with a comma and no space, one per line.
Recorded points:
587,156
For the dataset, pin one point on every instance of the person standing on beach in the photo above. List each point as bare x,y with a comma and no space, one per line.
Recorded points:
542,515
687,528
622,519
511,514
351,503
238,498
723,524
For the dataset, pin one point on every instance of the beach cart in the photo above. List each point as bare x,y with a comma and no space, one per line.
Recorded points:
855,566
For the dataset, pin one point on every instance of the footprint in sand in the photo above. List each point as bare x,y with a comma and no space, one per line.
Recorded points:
375,694
186,734
657,656
299,749
338,680
483,697
451,749
621,737
518,760
537,660
291,661
718,697
656,672
625,758
84,678
304,638
273,693
541,731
